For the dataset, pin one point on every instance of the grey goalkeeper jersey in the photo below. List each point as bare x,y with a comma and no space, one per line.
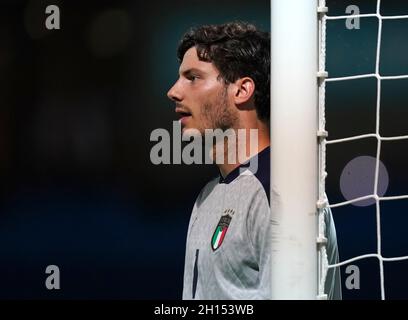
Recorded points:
228,250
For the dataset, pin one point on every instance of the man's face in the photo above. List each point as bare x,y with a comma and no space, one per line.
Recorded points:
202,98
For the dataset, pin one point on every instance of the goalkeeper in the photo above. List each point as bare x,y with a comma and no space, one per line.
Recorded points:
224,83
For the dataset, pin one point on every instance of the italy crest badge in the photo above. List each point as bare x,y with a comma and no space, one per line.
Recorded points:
221,229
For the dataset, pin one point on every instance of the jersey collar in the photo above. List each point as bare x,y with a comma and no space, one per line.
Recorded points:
263,160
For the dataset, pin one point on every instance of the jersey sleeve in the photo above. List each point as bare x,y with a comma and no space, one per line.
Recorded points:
259,226
259,233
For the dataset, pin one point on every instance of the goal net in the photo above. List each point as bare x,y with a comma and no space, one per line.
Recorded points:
300,143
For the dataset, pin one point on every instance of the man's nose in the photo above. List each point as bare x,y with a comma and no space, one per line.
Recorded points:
174,93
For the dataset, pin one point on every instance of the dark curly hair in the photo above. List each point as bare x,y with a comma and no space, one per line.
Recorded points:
237,49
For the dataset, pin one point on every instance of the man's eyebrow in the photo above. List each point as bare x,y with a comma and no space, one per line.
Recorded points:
190,71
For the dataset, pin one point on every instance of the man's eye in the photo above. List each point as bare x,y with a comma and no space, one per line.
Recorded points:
192,78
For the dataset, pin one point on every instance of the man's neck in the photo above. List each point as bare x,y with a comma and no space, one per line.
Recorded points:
245,149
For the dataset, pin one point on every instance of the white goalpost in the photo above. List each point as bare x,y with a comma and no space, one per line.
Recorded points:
298,147
294,148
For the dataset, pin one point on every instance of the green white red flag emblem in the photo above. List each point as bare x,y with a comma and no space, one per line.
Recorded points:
220,231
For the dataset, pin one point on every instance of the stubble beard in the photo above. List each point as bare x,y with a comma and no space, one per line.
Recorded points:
218,114
215,115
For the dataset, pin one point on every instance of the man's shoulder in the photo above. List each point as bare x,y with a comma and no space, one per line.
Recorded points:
210,185
207,189
255,184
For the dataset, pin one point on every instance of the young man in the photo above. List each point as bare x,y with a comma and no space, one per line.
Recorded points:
224,83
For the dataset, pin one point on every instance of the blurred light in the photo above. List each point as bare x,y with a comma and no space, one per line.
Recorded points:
72,133
357,180
109,33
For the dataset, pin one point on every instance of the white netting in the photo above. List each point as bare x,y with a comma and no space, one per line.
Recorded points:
322,74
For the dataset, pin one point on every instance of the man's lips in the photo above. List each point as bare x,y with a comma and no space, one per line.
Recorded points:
183,114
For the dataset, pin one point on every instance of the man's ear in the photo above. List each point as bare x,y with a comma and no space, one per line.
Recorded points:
244,89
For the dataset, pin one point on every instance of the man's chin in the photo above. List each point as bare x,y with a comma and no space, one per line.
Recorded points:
188,133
